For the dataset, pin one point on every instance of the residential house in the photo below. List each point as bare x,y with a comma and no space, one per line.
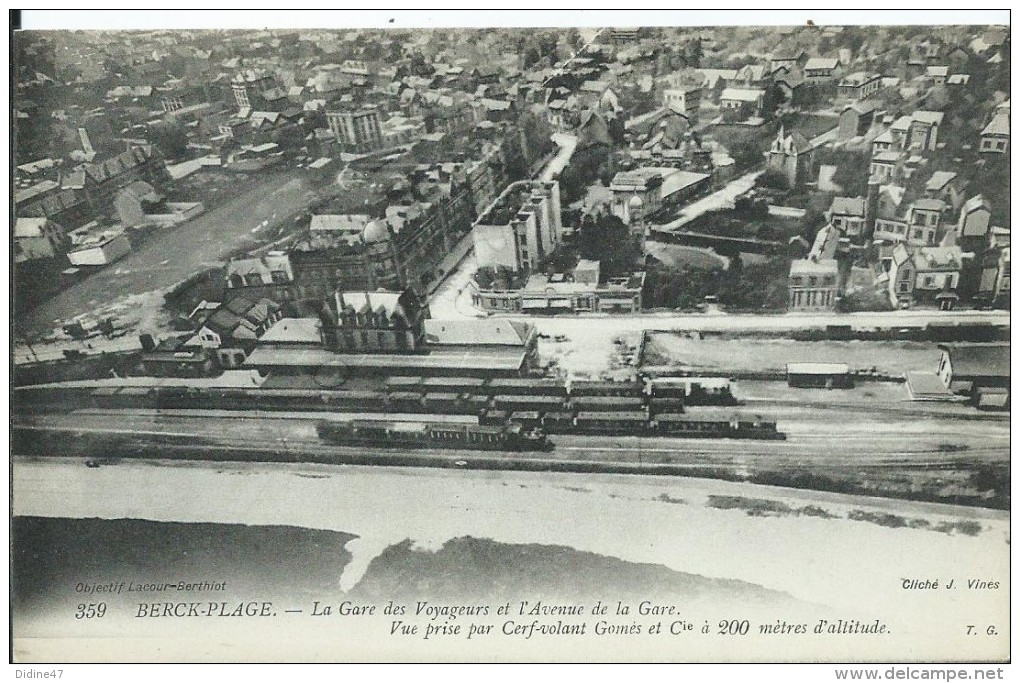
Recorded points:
822,69
789,84
994,284
231,330
925,219
848,215
598,95
855,120
921,275
38,238
995,136
813,284
973,226
249,88
683,99
715,81
947,186
924,130
741,103
750,77
132,201
791,59
885,141
885,166
859,85
937,75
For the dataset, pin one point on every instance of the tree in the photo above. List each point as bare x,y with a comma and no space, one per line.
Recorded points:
170,137
746,154
606,238
852,173
773,179
937,99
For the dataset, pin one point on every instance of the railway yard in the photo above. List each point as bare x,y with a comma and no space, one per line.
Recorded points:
865,440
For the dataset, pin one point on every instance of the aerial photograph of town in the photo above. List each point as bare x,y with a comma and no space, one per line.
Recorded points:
397,326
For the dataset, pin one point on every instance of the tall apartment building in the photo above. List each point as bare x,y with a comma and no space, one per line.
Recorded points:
521,228
357,131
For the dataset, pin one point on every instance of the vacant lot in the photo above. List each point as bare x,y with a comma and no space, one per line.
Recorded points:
667,348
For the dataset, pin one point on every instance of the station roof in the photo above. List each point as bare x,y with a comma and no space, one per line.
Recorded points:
817,369
495,360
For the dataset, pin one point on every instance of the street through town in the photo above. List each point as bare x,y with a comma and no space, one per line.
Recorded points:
177,252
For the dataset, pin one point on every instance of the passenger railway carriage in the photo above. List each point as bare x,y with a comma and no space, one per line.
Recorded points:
410,435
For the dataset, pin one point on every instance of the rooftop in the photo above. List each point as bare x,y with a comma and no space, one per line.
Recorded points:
825,266
742,94
847,206
939,180
485,332
496,360
817,368
980,360
827,63
293,331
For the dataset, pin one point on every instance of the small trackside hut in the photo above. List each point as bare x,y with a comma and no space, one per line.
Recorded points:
819,375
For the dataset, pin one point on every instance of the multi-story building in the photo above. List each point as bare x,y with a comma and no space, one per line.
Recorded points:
521,228
848,215
995,136
356,131
742,102
923,130
249,88
821,69
268,276
859,85
374,322
655,186
813,284
920,275
580,291
683,99
918,226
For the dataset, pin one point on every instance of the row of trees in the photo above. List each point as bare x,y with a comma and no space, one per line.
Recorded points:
752,286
